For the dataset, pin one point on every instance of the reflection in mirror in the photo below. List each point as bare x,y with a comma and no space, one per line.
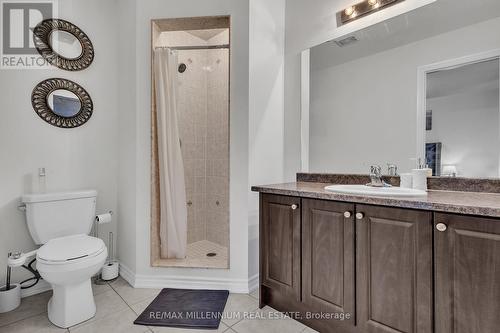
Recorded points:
65,44
64,103
462,121
365,97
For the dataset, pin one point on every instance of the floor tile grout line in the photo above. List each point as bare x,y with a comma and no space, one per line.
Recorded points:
240,320
130,306
18,320
68,330
29,316
229,327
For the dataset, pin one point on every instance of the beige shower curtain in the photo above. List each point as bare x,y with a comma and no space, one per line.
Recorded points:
173,208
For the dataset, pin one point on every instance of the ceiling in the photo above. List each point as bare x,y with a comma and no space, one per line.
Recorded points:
482,76
434,19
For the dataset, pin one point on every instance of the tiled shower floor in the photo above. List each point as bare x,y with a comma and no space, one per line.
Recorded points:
197,256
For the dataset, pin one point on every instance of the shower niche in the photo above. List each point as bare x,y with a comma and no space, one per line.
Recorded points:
200,50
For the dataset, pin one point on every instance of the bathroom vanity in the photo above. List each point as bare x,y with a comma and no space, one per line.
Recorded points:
354,263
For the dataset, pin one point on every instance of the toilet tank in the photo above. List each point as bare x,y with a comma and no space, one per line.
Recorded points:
53,215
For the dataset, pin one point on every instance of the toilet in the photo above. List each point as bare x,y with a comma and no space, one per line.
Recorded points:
68,257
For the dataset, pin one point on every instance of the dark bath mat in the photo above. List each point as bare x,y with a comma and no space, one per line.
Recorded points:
185,308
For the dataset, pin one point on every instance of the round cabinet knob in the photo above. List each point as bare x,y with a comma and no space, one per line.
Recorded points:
294,206
347,215
441,227
360,216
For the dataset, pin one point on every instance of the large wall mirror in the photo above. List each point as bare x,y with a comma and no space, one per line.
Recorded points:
424,85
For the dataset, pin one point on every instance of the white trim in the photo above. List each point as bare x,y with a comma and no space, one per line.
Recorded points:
422,72
127,274
239,286
253,283
305,75
41,287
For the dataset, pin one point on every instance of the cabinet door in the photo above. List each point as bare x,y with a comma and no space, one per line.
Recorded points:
328,256
394,270
467,259
280,237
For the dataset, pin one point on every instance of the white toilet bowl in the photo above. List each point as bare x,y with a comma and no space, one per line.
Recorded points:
68,263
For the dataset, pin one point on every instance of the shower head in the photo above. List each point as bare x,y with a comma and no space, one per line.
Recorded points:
182,68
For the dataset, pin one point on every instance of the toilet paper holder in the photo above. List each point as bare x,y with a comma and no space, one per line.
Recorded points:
110,212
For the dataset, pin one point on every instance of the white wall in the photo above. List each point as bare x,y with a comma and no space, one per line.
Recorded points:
361,115
127,133
266,107
85,157
256,133
467,124
139,151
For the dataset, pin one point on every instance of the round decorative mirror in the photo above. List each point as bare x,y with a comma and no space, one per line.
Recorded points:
63,44
62,103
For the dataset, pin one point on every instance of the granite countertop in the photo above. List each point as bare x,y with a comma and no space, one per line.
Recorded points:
469,203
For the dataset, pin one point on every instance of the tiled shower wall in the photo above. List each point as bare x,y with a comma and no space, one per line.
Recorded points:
217,195
193,129
204,130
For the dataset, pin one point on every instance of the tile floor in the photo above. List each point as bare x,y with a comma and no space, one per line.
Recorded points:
118,305
197,256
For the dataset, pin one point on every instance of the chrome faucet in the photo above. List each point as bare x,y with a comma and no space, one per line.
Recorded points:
376,177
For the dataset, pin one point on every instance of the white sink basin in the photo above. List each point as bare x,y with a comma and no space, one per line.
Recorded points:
376,191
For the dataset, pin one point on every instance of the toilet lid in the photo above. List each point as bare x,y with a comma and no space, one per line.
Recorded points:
70,248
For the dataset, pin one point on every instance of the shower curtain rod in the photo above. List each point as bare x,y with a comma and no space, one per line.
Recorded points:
200,47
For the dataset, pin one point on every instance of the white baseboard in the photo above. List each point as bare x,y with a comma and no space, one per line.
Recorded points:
40,287
253,283
127,274
239,286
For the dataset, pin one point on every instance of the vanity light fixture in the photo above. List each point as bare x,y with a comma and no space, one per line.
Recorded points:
349,11
361,9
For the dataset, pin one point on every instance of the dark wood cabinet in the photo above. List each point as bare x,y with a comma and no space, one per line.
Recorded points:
394,270
467,274
280,237
328,257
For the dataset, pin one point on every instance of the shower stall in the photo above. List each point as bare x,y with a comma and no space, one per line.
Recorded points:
199,51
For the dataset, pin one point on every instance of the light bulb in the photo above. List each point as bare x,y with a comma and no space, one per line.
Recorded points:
350,11
373,2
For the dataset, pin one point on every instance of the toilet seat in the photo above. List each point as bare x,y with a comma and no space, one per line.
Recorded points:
70,250
68,263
